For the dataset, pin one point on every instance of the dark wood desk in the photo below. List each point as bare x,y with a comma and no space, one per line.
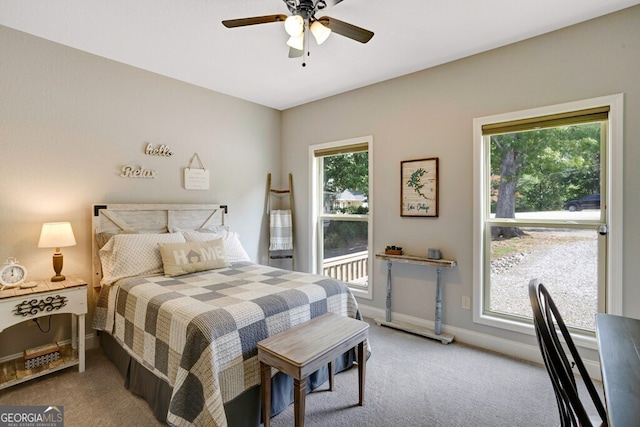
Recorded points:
619,348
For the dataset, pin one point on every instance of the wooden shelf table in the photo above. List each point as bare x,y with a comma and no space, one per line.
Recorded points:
440,264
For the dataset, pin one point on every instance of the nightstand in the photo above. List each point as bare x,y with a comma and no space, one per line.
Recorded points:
46,298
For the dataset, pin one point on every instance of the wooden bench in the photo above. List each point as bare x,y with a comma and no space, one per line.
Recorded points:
304,349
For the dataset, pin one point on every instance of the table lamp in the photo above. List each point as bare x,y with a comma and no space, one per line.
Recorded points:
56,235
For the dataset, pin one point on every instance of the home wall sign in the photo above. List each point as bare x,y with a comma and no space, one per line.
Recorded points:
129,171
160,150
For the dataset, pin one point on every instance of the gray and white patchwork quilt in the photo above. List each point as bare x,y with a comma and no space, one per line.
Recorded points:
199,332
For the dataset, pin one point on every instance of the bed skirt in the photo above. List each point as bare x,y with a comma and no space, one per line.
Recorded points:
243,411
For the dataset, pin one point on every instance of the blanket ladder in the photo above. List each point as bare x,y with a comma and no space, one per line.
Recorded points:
280,223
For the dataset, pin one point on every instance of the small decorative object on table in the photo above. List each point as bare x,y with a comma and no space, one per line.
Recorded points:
393,250
12,274
434,254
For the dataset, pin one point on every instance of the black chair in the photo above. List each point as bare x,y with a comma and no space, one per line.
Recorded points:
546,319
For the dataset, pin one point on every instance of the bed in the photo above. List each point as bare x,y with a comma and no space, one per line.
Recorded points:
181,308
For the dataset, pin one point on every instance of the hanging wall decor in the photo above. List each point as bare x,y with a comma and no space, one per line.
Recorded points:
196,178
419,187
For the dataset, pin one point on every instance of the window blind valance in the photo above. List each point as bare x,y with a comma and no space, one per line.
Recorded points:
563,119
343,149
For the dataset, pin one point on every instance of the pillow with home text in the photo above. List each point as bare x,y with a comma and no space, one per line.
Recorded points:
191,257
232,245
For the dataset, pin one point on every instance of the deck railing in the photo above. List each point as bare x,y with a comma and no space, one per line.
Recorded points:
351,268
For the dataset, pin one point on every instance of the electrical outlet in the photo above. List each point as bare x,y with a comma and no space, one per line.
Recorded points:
466,302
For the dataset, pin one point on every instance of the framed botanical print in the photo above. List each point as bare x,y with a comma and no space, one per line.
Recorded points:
419,187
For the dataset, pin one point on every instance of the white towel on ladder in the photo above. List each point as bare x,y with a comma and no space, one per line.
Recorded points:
281,235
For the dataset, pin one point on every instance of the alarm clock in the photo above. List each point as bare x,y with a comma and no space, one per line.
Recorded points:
12,274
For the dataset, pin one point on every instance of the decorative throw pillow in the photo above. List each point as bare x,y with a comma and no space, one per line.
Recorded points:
190,257
233,247
128,255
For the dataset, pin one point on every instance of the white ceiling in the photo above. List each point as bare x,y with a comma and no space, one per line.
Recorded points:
185,40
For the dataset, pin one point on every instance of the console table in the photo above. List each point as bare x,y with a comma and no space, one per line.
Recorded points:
440,264
45,298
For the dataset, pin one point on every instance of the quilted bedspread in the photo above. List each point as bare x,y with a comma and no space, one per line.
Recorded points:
199,332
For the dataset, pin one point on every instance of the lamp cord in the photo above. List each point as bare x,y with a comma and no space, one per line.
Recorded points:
40,327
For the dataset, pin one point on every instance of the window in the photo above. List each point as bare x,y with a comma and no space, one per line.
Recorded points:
540,176
342,217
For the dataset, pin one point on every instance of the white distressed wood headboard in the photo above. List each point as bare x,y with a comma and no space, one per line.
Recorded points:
149,218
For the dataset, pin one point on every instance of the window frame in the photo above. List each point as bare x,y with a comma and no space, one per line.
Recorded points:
316,190
613,214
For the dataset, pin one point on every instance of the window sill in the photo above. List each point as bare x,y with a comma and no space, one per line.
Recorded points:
584,340
361,292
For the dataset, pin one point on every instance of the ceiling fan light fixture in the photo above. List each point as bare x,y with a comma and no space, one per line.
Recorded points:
296,42
294,25
320,32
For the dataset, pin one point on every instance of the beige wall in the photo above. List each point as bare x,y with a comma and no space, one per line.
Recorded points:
69,121
430,114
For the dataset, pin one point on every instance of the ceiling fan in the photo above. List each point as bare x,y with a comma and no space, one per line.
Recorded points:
303,19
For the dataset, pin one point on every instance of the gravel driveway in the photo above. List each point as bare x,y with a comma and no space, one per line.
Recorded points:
567,269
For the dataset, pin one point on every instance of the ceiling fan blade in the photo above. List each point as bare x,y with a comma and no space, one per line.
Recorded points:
347,30
332,2
295,53
242,22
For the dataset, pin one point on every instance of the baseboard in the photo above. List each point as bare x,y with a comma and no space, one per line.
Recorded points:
530,353
92,341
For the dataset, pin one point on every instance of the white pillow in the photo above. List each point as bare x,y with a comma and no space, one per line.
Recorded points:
231,239
209,229
128,255
102,237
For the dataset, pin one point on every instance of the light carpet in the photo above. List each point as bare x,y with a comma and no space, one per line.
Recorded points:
411,381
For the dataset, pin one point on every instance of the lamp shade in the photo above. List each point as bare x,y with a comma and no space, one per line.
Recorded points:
296,42
320,32
294,25
56,235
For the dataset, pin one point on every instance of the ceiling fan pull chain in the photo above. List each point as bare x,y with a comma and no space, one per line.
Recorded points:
305,52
